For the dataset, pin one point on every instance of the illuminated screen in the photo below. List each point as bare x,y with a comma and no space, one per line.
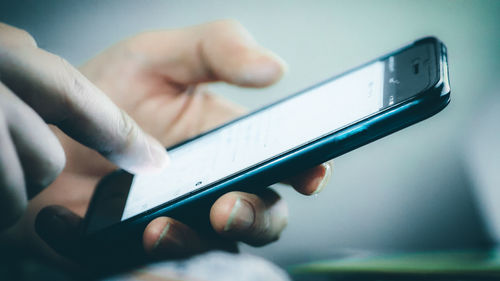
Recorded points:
259,137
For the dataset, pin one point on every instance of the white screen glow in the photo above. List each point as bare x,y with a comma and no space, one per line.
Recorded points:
259,137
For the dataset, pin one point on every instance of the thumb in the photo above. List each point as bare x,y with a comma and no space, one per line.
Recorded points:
217,51
59,228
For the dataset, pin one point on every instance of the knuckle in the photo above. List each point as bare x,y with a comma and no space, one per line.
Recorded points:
224,27
14,37
67,76
227,24
231,33
25,38
68,83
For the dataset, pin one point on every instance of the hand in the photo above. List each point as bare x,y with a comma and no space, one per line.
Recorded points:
158,78
37,88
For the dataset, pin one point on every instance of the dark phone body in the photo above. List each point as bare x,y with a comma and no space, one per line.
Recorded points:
193,209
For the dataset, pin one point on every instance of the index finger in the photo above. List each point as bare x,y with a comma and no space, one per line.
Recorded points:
61,95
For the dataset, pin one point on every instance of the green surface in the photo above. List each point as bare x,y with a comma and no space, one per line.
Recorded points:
467,262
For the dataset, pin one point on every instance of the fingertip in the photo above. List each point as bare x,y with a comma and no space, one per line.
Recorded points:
220,211
43,222
158,154
154,232
55,219
261,68
327,166
144,155
280,61
313,180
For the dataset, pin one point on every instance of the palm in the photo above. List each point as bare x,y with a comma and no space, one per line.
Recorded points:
167,110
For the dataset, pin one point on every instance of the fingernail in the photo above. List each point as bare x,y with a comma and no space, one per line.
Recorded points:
170,240
162,236
269,69
280,60
326,177
241,217
143,155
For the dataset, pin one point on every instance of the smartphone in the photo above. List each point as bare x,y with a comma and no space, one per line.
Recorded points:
273,143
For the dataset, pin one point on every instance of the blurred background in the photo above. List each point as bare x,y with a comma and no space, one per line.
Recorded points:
428,187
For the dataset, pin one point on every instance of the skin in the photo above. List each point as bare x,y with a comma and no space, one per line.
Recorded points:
158,78
36,88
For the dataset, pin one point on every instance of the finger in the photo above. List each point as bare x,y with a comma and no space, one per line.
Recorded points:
256,220
12,192
15,37
63,96
221,50
59,228
168,238
41,155
313,180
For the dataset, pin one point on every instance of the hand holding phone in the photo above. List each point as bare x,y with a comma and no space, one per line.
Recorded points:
171,110
270,144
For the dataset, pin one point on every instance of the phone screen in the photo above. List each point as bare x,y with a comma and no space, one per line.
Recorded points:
270,132
259,137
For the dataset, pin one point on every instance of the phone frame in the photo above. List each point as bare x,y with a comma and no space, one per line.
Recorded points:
352,136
